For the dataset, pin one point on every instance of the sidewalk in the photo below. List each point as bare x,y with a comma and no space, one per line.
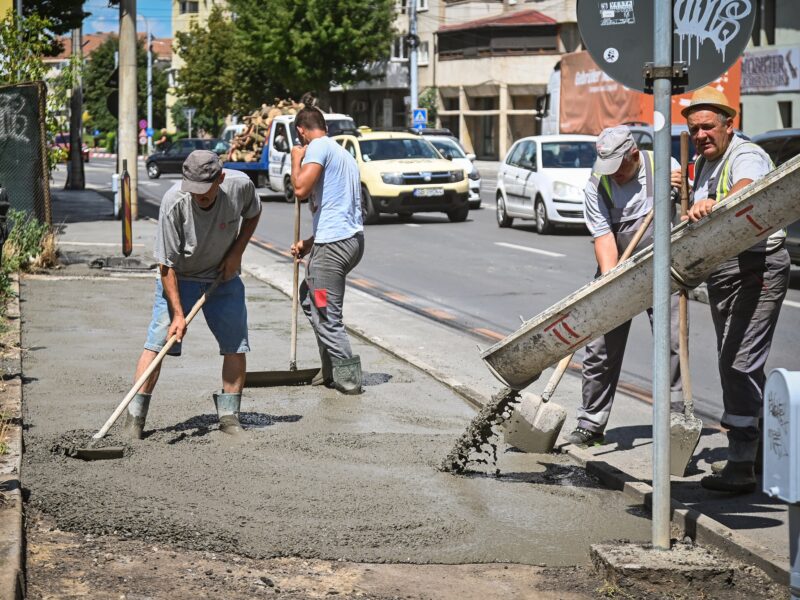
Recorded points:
752,526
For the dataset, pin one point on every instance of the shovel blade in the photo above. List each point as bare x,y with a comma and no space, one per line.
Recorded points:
279,378
684,434
109,453
534,426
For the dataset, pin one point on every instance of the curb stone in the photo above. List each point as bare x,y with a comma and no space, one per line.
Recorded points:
685,520
12,540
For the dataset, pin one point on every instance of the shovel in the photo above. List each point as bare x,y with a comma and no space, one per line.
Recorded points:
684,428
535,424
111,452
293,376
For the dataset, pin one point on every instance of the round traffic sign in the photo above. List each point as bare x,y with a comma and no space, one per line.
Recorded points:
142,123
142,140
149,131
708,36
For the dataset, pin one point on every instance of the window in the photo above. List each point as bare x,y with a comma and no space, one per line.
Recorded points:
189,6
400,49
402,5
785,110
350,148
422,53
281,140
515,155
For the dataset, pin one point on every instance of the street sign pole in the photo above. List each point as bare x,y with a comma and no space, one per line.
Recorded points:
662,124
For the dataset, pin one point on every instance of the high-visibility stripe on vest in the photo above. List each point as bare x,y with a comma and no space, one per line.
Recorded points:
720,186
603,182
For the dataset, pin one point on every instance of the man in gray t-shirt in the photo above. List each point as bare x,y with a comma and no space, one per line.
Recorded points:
619,195
204,226
745,293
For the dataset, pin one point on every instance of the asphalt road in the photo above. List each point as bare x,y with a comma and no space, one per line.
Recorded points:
478,277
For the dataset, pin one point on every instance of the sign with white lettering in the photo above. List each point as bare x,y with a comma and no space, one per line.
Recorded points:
771,70
708,36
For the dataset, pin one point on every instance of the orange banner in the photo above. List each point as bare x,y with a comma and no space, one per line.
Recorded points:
591,100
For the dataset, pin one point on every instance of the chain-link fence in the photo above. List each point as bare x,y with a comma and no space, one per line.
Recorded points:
23,148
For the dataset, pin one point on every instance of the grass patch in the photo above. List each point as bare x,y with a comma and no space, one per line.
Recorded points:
5,423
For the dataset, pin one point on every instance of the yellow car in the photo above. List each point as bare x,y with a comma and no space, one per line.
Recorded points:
403,173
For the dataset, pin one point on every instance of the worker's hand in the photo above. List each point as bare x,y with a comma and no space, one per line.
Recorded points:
177,327
675,179
230,265
699,209
298,153
300,248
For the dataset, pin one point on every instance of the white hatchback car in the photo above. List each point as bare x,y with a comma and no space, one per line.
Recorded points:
543,178
450,148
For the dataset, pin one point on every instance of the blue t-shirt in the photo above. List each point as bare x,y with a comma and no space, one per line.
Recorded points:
336,199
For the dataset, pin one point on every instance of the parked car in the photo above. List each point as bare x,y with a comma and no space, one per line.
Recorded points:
403,173
781,145
171,159
450,148
61,142
543,178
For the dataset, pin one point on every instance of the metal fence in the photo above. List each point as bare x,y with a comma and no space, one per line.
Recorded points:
23,148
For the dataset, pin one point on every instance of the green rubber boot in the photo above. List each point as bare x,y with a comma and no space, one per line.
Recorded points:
228,412
325,375
347,377
133,427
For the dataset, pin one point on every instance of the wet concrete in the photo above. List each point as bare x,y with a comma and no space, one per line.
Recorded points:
317,475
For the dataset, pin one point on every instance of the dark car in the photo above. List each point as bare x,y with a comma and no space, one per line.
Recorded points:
171,159
61,142
781,145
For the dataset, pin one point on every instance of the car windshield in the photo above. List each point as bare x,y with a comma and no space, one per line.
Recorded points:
449,146
337,126
568,155
393,149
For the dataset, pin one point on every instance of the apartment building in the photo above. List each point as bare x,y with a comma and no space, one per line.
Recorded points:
771,68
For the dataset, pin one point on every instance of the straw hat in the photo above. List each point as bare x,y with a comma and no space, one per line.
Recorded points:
709,96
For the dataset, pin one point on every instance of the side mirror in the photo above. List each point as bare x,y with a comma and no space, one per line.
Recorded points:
471,157
447,154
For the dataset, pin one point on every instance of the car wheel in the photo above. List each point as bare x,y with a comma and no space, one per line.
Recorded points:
543,224
288,189
474,204
405,217
458,215
503,220
368,211
153,172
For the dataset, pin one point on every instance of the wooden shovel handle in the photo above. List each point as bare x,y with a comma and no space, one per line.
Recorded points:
555,378
153,365
637,238
683,301
295,284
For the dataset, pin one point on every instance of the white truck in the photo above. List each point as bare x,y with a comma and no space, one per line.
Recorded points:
273,169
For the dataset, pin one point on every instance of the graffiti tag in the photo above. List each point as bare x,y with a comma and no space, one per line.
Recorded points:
13,123
717,21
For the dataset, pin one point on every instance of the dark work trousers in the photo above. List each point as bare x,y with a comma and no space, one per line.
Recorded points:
602,364
745,294
322,292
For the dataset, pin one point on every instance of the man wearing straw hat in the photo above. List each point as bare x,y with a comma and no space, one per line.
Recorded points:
745,293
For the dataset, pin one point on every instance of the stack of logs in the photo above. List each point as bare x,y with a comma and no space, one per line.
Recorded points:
247,146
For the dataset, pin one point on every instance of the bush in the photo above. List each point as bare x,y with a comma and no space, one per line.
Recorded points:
29,243
111,137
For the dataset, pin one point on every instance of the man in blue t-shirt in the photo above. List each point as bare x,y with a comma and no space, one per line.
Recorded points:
328,176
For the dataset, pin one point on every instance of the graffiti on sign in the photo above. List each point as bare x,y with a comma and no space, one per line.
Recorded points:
717,21
13,124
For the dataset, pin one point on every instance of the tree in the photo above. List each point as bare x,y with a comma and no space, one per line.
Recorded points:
211,77
99,68
61,15
304,45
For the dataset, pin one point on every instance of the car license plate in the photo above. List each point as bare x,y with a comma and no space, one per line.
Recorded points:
428,192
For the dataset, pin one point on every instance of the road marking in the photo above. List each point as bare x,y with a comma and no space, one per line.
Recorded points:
439,314
528,249
489,333
147,183
65,243
413,225
792,303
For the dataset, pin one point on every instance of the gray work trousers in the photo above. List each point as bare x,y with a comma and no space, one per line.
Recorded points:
745,294
322,293
602,364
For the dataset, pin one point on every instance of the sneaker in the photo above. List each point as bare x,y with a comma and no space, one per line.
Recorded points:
583,437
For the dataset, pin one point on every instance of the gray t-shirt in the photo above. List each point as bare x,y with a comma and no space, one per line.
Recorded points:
336,199
630,201
194,241
747,161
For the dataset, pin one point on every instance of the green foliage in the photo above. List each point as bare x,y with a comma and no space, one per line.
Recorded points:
429,99
63,15
96,89
24,241
199,120
110,141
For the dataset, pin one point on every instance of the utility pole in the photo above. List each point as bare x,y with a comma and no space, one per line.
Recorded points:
127,142
75,174
149,85
413,43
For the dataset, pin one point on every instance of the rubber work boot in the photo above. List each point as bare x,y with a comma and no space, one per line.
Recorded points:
738,475
584,437
133,427
325,376
758,467
228,412
347,377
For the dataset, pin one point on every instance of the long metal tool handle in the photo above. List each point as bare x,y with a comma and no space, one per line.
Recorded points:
295,284
683,300
153,365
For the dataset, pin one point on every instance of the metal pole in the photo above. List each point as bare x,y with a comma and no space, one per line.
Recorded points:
75,177
794,550
19,8
662,120
127,145
412,59
190,124
149,86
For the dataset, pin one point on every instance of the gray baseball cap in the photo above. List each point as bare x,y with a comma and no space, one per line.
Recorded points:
612,144
200,170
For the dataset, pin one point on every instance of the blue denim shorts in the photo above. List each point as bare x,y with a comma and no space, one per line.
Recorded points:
224,310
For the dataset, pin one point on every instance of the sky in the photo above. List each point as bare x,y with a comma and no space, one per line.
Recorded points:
104,18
